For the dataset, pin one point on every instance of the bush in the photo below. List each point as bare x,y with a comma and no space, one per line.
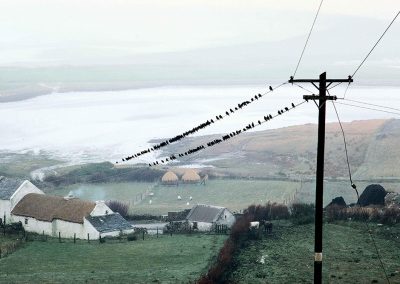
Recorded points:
302,213
118,206
132,237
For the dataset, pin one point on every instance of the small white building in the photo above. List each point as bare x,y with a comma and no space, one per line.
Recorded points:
69,217
12,190
205,217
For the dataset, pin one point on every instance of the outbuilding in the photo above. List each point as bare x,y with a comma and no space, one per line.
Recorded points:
205,217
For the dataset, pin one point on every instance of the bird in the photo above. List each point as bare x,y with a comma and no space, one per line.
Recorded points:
259,122
149,165
279,112
259,95
252,124
227,113
270,116
286,109
265,118
220,116
252,99
293,106
256,97
212,121
270,88
231,110
236,108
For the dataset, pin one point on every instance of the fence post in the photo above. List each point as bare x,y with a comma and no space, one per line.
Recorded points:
99,238
143,235
43,236
157,232
74,238
88,240
0,252
59,237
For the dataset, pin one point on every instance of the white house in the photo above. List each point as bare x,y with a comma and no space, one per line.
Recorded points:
69,217
12,190
204,217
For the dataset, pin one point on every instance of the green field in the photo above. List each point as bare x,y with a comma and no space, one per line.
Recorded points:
176,259
349,255
235,194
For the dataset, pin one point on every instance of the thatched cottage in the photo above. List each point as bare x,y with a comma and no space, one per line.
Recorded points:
69,217
12,190
204,217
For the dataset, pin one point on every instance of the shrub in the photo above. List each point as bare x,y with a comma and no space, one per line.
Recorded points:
302,213
132,237
118,206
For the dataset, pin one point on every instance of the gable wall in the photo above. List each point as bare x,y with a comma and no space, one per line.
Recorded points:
5,209
25,188
100,209
226,218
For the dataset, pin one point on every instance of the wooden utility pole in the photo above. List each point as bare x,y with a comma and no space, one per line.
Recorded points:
319,190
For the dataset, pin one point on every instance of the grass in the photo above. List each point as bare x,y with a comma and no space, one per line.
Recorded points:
349,255
234,194
176,259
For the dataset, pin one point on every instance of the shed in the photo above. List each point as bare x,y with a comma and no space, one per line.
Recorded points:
170,178
110,224
190,176
204,217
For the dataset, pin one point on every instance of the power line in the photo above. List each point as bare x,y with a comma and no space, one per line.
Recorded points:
358,197
214,142
362,62
369,108
376,105
203,125
308,38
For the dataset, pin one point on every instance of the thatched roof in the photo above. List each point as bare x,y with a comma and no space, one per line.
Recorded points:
190,175
46,208
169,177
205,213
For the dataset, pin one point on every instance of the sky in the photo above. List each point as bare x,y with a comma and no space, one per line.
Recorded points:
53,32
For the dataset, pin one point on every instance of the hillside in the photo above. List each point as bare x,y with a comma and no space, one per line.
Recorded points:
291,151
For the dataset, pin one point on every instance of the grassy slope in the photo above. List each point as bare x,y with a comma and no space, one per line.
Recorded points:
349,256
173,259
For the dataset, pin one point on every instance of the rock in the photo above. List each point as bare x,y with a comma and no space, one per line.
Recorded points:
373,194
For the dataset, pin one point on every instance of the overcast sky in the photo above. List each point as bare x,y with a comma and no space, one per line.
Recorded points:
31,30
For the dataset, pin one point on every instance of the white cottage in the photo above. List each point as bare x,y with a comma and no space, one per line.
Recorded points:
12,190
204,217
54,215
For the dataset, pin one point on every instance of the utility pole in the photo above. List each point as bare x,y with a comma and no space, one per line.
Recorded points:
319,190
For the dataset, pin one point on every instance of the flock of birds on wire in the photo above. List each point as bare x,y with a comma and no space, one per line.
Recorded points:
225,137
195,129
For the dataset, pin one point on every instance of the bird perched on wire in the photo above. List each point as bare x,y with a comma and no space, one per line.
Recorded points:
286,109
279,112
227,113
270,88
259,122
293,106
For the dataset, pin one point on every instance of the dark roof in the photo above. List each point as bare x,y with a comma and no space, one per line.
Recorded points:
8,186
205,213
109,223
46,208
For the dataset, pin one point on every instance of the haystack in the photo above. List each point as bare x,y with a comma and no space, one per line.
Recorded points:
190,176
373,194
170,178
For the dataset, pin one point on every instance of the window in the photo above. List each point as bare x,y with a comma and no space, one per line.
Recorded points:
26,221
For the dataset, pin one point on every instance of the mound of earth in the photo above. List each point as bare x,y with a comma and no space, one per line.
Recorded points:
338,201
373,194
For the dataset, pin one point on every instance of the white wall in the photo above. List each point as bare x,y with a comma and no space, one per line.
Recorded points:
116,233
101,209
202,226
34,225
5,208
226,218
25,188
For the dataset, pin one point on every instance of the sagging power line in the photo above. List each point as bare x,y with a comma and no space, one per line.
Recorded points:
203,125
266,118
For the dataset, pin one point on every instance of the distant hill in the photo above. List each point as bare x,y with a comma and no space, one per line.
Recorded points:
291,152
